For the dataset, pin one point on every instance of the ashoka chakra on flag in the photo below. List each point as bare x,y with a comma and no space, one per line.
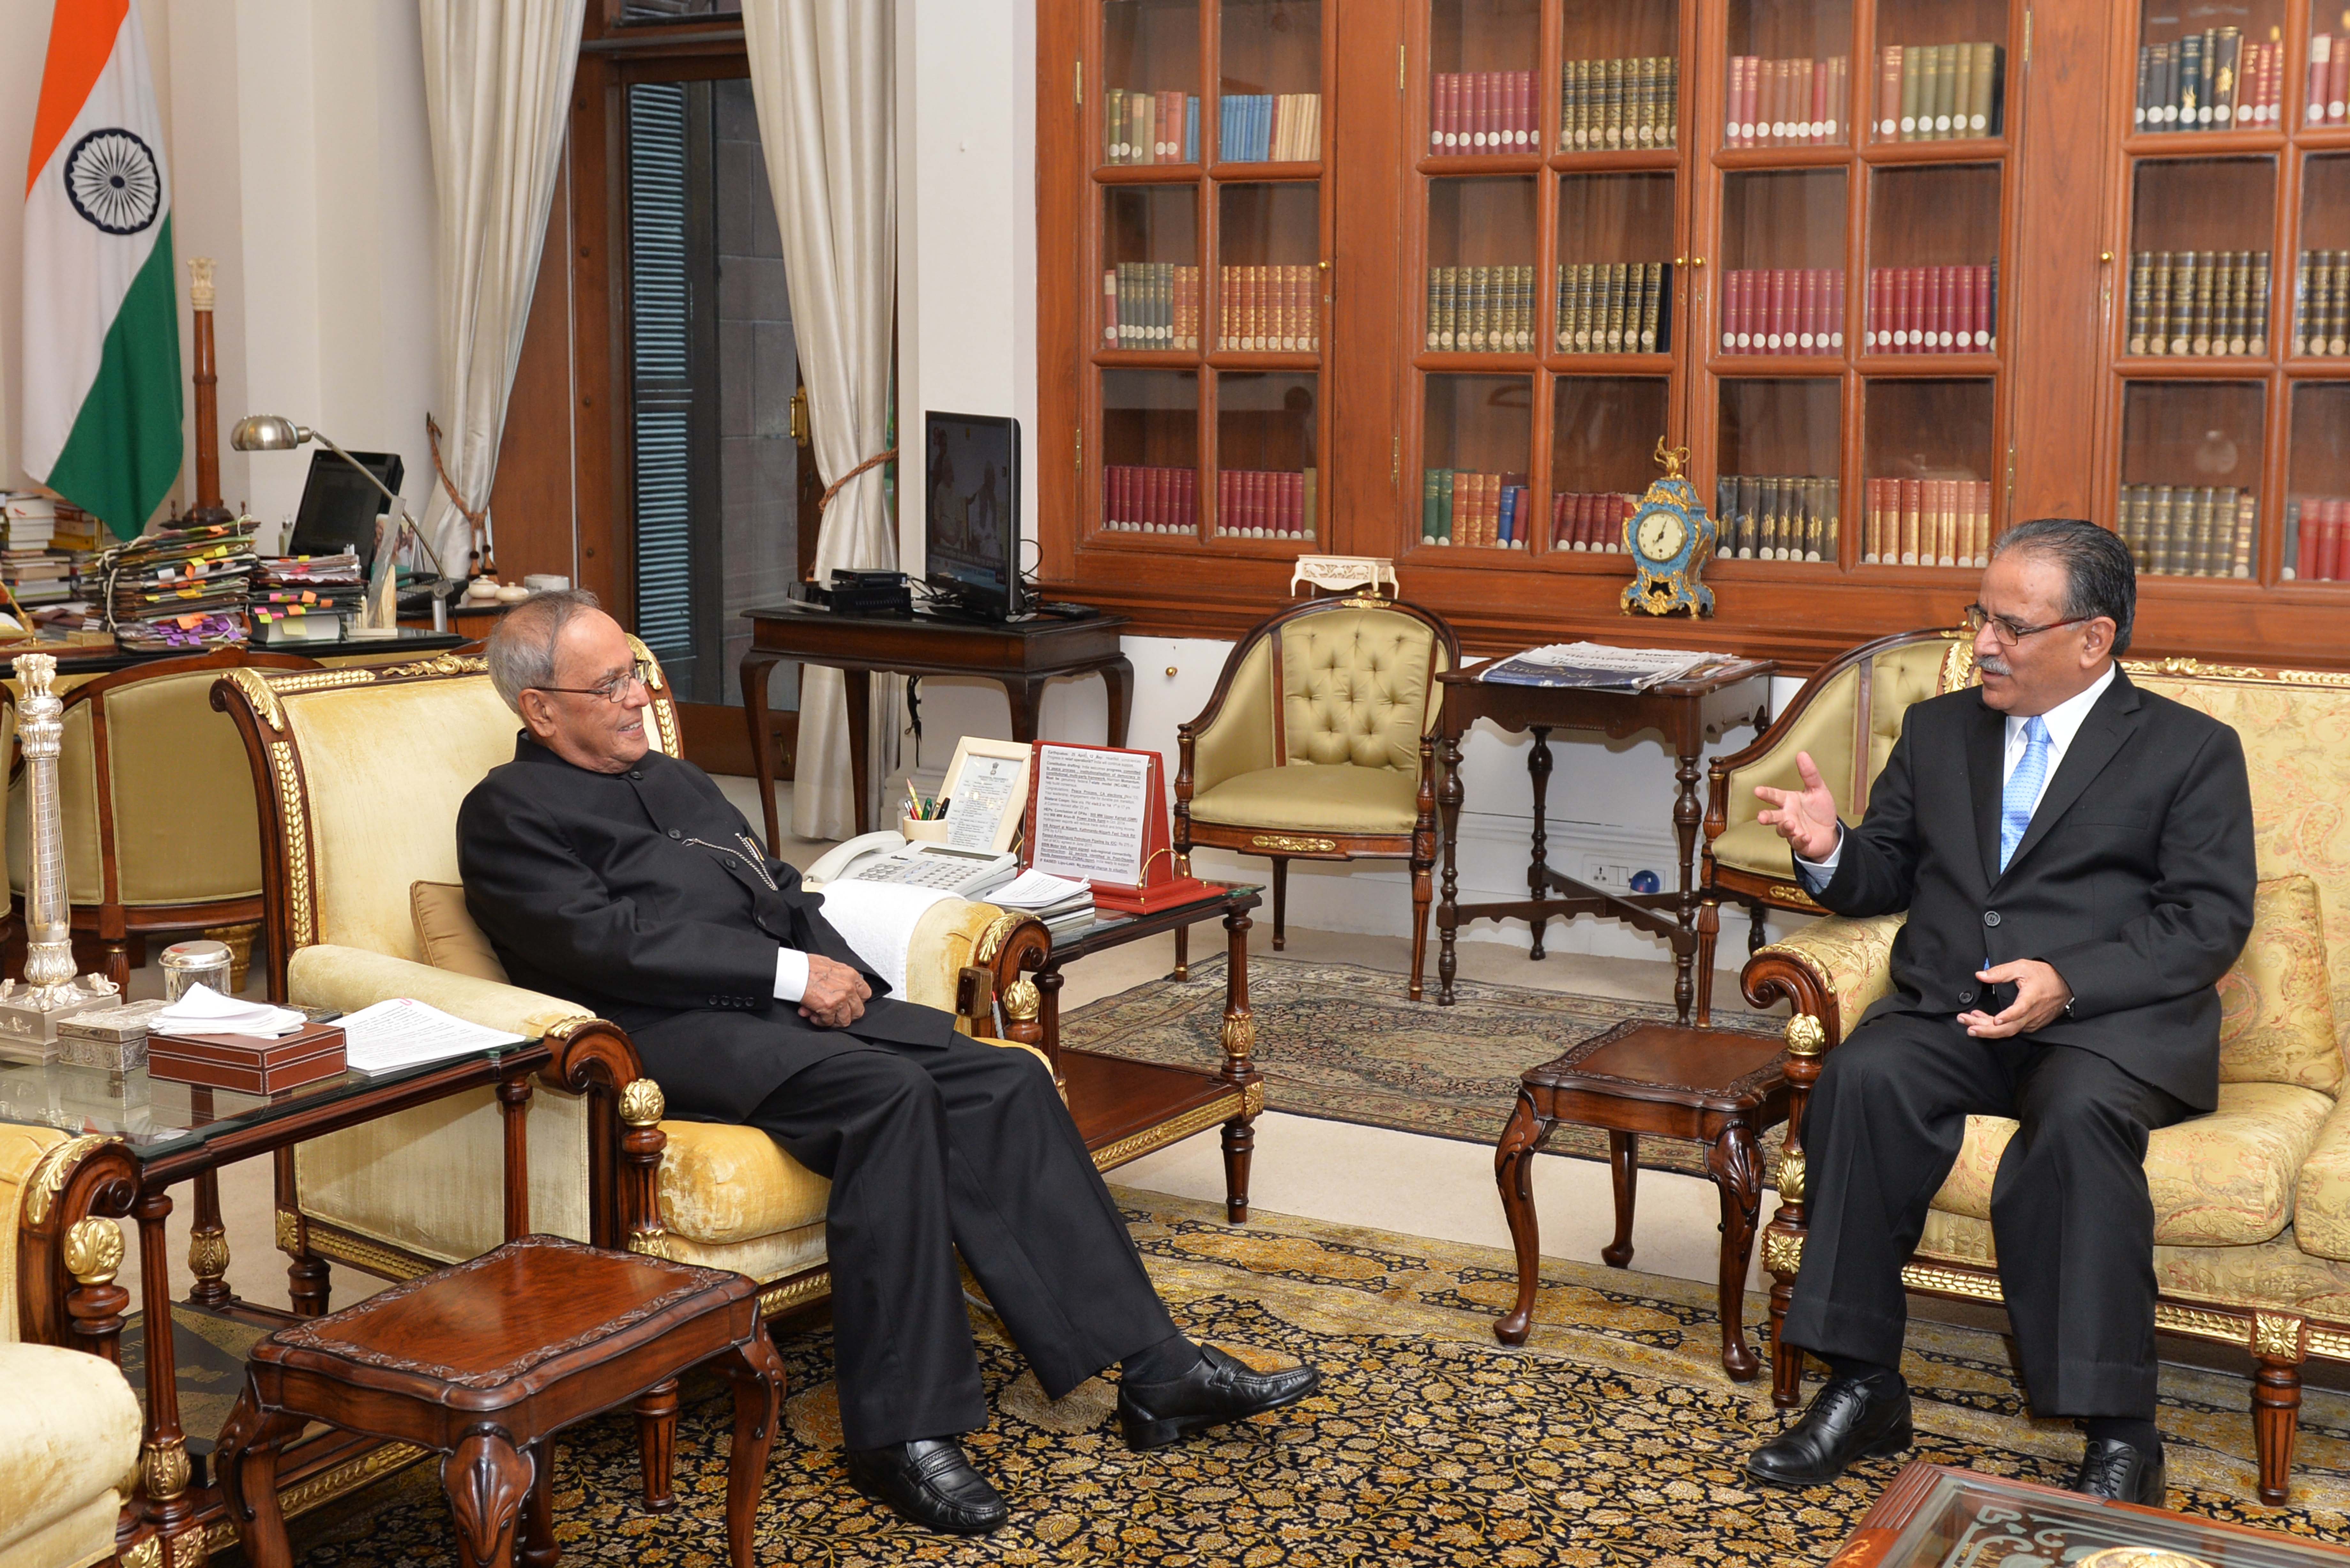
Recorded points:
111,180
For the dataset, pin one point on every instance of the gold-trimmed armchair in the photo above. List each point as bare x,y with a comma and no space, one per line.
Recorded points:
2251,1201
1316,745
362,770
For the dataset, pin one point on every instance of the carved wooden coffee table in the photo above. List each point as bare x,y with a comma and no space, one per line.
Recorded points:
1713,1086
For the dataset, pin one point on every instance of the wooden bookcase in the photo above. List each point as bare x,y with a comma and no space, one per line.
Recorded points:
2032,405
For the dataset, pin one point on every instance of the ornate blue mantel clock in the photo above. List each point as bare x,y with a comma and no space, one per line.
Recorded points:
1670,537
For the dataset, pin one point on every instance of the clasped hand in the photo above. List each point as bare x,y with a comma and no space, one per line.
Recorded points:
835,994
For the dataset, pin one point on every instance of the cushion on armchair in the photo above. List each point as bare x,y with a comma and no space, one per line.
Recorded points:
2276,1017
69,1433
446,932
1310,798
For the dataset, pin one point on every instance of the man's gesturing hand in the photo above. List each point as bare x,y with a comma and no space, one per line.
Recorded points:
1805,818
835,994
2041,994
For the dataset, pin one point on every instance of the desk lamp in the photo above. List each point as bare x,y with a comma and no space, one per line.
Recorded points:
273,433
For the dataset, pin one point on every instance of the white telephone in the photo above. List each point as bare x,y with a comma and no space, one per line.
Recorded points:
886,857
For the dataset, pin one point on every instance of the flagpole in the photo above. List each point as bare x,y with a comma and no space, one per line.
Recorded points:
207,509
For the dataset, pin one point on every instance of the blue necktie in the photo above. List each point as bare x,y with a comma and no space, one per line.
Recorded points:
2022,789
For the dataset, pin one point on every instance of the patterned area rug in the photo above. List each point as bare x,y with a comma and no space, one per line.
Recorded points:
1344,1042
1613,1438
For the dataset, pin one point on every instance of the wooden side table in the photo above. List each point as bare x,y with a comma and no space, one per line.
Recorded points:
484,1362
1709,1085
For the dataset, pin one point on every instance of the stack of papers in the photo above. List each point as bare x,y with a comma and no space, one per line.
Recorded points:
203,1011
404,1032
1061,903
306,598
1599,666
195,582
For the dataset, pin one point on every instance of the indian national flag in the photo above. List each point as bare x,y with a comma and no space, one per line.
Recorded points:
101,361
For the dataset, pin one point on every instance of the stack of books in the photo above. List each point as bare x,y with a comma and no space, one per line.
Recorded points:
34,574
1928,522
1938,92
1150,500
1150,305
2199,302
1581,521
2214,80
1782,310
1151,128
1776,518
1252,503
1062,904
179,587
1268,309
1608,104
2329,78
1473,112
1458,507
1932,310
2316,538
2321,303
1615,307
2190,530
1786,103
1269,128
1480,309
306,598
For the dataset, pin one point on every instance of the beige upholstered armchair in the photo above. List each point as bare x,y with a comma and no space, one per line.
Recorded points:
159,829
1316,746
2252,1202
362,771
70,1425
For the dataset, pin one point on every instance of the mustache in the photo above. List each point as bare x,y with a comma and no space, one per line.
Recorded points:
1993,664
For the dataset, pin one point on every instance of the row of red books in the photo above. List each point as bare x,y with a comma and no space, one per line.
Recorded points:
1786,103
1267,309
2317,538
1928,522
1782,310
1259,503
2329,78
1470,113
1589,520
1931,309
1138,500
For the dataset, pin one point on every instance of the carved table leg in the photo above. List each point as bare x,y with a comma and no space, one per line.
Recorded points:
1240,1070
1537,883
486,1479
1514,1164
1624,1176
1280,902
857,687
539,1548
165,1474
1447,902
1738,1172
1182,953
1118,678
2277,1342
657,1443
756,668
1687,815
208,1246
245,1466
758,1379
1709,931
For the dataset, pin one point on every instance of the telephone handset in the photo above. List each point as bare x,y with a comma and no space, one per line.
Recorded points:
835,862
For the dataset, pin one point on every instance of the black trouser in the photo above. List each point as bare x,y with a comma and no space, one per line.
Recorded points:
932,1151
2069,1211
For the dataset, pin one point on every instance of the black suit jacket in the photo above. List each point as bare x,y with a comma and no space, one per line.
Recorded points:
2134,878
643,897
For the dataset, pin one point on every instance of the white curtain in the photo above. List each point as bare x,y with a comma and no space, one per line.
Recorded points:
823,74
497,96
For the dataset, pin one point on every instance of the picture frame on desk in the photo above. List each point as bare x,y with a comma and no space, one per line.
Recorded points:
985,770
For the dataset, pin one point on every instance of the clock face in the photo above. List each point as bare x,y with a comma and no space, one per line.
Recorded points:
1660,536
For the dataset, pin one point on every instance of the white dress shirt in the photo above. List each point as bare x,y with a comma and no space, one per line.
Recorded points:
791,974
2063,722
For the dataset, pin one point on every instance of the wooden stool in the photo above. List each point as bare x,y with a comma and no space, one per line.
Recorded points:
1712,1086
484,1363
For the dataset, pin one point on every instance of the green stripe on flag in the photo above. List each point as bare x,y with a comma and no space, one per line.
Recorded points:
125,449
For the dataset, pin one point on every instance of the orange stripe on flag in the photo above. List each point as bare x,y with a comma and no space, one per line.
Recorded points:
81,40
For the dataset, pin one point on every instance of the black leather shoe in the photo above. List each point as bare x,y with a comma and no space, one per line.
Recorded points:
1849,1419
929,1481
1217,1389
2120,1472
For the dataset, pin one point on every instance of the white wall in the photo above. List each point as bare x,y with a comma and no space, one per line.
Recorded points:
300,164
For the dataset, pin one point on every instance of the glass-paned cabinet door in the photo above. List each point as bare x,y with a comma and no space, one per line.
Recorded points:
1612,290
2317,485
1789,81
1927,456
1933,260
1150,453
1476,441
1268,267
1268,475
1150,268
1778,446
2320,301
1603,429
2200,277
1268,81
1151,88
2190,480
1483,56
1619,75
1940,73
2325,94
1782,285
2213,66
1482,298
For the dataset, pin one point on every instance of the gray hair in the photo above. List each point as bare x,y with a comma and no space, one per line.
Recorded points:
2100,578
521,651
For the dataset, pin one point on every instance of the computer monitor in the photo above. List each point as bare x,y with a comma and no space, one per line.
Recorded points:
972,540
340,506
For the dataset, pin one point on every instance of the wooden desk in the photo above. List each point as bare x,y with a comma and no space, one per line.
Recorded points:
1687,713
1019,656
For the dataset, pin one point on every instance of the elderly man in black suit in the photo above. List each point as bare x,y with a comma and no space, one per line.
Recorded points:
2075,856
608,874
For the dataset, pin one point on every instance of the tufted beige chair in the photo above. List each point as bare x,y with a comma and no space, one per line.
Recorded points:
1316,745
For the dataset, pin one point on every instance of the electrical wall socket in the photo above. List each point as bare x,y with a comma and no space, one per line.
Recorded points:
1600,872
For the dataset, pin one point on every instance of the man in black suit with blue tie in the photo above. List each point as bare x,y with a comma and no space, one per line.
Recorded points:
2076,857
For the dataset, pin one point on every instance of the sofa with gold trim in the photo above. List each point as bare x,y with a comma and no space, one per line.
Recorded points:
2253,1201
361,771
69,1427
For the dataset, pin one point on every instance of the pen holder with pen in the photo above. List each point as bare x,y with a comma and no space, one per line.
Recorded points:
917,830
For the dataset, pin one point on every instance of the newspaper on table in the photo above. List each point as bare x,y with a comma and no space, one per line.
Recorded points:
1598,665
